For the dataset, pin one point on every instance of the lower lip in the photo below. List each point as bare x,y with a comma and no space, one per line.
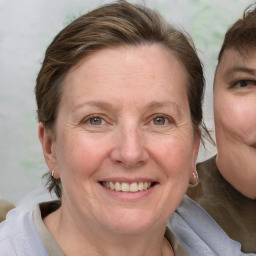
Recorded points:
129,196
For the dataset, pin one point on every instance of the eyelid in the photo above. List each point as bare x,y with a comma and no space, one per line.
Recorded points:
86,119
169,118
234,83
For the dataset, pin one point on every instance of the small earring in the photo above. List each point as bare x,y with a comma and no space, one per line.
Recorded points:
195,176
52,173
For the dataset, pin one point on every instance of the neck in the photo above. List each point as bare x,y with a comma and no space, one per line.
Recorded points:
96,241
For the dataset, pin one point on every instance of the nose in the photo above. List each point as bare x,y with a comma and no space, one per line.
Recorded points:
129,149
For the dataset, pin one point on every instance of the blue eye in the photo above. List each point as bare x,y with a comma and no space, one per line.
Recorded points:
160,120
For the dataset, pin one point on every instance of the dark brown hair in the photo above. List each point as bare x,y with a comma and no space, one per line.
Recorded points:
241,36
116,24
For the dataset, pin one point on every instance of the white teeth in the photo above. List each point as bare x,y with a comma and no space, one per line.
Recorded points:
117,186
134,187
111,185
126,187
140,187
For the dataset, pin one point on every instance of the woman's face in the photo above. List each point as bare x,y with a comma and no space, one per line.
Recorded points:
125,148
235,119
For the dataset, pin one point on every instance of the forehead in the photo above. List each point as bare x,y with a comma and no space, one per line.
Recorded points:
145,67
234,62
150,54
232,57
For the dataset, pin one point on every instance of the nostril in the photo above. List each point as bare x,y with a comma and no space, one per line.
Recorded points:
129,159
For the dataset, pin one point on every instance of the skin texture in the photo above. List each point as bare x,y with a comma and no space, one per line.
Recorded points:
235,119
142,132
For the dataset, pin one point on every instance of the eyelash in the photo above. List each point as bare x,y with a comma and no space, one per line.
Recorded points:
167,119
90,117
249,82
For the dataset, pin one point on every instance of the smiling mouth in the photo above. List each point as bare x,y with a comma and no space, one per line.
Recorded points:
127,187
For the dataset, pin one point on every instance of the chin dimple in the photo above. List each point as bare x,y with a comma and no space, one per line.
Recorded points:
127,187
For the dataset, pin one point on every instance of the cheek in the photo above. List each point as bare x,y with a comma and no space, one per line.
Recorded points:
236,118
79,156
175,155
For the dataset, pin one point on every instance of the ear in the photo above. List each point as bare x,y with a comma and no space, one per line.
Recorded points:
194,156
48,146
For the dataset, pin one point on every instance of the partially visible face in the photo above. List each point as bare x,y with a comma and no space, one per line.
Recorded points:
235,119
125,148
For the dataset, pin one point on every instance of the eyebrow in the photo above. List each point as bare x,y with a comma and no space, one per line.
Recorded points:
242,69
98,104
107,106
161,104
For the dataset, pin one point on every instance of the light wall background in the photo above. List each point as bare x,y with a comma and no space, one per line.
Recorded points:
26,29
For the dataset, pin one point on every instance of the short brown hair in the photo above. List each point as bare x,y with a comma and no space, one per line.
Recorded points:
116,24
241,36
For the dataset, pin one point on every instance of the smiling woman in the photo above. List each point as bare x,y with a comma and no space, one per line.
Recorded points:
122,145
119,107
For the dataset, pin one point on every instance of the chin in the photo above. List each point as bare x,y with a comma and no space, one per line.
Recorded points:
250,194
131,223
247,188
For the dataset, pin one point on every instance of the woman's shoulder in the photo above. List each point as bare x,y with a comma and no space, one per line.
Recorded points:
16,219
18,235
